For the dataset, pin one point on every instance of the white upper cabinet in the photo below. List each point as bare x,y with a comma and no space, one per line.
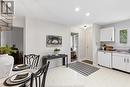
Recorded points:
107,34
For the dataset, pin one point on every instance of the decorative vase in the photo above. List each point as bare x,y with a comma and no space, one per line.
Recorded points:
6,65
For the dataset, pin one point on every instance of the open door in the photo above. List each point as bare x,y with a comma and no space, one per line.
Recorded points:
74,46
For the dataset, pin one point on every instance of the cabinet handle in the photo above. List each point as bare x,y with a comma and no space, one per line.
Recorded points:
124,60
127,60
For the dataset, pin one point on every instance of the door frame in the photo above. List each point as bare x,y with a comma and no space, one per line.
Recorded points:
77,53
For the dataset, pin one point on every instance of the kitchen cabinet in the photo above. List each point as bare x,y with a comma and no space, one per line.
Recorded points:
107,34
128,64
104,58
121,61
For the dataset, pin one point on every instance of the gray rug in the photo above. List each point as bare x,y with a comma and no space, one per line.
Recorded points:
82,68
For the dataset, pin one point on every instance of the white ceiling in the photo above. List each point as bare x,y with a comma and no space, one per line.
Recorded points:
62,11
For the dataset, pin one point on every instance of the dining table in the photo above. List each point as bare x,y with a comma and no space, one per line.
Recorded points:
13,73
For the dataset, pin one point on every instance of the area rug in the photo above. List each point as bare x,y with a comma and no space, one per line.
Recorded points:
82,68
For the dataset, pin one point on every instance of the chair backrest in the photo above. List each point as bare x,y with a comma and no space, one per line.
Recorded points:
31,60
38,78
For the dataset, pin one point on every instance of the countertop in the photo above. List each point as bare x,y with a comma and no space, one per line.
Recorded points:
120,52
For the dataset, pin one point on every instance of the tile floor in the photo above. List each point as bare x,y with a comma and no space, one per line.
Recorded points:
66,77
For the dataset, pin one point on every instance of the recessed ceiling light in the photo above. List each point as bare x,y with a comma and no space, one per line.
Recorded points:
77,9
87,14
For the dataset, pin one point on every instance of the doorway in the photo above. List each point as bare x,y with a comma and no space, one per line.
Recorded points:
74,46
89,46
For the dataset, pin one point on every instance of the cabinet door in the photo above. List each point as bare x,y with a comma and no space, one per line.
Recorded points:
104,59
107,59
102,35
107,34
119,62
100,58
128,64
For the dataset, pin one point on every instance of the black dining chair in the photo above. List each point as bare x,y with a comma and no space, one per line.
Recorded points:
37,79
32,60
44,61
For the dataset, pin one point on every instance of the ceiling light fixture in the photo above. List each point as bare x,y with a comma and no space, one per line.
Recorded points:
77,9
84,27
6,15
87,14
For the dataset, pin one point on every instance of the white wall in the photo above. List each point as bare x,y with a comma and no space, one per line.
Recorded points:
96,42
118,26
19,21
36,31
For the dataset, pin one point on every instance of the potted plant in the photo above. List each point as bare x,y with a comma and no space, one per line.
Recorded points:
6,61
56,51
6,50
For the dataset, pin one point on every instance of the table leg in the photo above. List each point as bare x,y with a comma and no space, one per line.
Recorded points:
67,61
63,61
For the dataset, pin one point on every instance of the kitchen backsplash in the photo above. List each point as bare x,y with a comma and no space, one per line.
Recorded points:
122,47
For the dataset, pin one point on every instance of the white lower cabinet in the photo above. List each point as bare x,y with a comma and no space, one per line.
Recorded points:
104,58
128,65
118,62
121,61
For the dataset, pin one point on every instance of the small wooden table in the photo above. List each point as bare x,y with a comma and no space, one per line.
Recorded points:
63,56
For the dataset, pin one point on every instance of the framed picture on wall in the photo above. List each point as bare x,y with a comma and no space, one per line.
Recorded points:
53,41
123,36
